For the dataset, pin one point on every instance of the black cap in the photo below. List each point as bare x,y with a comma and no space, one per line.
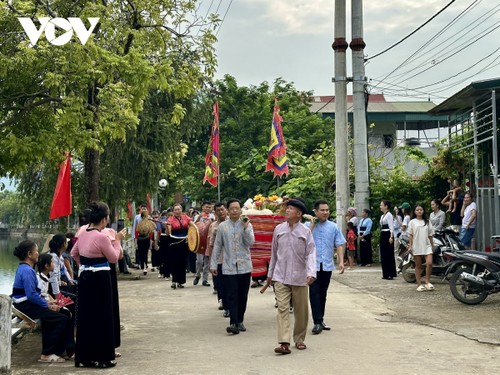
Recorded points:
298,204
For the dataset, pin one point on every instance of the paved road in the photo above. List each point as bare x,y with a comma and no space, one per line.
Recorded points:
379,327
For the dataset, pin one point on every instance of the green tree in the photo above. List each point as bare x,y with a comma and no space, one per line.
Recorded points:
245,126
82,98
9,208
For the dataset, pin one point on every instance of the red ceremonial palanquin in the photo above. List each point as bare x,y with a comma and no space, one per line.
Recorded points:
263,228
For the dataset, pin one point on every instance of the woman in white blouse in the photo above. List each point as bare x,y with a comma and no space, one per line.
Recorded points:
387,260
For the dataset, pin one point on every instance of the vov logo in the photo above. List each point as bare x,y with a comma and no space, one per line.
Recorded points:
70,25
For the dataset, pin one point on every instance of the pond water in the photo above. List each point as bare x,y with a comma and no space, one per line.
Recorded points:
8,262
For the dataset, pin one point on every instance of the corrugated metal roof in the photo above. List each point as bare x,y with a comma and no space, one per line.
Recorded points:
465,98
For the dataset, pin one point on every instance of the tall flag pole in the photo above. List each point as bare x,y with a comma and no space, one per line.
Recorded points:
212,156
62,200
276,159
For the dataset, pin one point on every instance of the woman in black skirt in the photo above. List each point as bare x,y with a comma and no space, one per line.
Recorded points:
386,242
96,335
365,238
177,228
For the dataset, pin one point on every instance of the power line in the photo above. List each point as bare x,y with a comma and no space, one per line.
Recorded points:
413,32
224,17
428,43
497,25
436,36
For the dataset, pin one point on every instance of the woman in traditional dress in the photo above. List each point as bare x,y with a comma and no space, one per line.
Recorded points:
387,260
177,228
365,238
96,332
57,329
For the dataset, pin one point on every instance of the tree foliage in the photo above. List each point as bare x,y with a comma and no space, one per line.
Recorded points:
245,126
9,208
83,98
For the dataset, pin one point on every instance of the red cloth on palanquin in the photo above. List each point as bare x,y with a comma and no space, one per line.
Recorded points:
260,251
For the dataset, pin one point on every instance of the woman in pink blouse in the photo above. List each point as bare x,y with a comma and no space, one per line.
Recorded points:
95,326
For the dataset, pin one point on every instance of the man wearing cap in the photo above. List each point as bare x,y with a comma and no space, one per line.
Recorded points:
293,269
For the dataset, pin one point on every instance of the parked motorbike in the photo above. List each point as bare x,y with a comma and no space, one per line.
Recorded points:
444,240
474,275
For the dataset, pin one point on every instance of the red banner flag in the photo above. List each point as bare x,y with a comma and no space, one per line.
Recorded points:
61,203
276,160
148,203
130,213
212,157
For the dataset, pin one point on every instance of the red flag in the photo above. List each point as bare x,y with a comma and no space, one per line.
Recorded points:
212,157
276,160
130,214
148,202
61,203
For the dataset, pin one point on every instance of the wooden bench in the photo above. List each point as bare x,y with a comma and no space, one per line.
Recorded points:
22,323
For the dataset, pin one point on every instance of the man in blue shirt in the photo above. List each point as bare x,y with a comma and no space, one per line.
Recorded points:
327,237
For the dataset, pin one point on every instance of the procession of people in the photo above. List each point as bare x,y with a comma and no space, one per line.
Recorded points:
302,253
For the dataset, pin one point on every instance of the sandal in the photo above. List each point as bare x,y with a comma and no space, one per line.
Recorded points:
52,359
283,349
118,355
300,345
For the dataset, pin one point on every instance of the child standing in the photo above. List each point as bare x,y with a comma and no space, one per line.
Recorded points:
351,244
422,246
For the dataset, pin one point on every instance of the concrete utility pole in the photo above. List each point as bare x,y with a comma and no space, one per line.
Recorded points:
360,144
341,137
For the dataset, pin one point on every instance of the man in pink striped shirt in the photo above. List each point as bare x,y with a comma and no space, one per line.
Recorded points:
292,269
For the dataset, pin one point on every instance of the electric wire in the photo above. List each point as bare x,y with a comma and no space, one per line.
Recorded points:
224,17
429,42
454,53
413,32
446,45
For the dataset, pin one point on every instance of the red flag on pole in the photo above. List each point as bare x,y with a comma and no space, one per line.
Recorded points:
61,203
276,160
212,156
148,202
130,213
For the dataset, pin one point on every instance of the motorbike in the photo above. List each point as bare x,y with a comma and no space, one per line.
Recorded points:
446,240
474,274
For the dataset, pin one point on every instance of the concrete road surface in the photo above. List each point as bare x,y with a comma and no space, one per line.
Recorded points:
378,327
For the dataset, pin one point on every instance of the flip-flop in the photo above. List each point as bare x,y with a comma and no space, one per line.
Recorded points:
52,359
118,355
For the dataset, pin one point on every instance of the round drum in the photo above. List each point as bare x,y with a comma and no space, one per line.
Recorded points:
203,227
193,238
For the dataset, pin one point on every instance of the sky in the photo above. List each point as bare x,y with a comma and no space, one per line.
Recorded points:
261,40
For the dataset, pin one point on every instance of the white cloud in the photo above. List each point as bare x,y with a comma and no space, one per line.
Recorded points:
297,17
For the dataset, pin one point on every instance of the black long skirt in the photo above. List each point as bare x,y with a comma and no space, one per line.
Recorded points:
116,305
387,256
365,250
95,334
179,251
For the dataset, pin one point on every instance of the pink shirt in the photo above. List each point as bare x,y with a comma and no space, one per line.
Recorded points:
94,244
293,255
